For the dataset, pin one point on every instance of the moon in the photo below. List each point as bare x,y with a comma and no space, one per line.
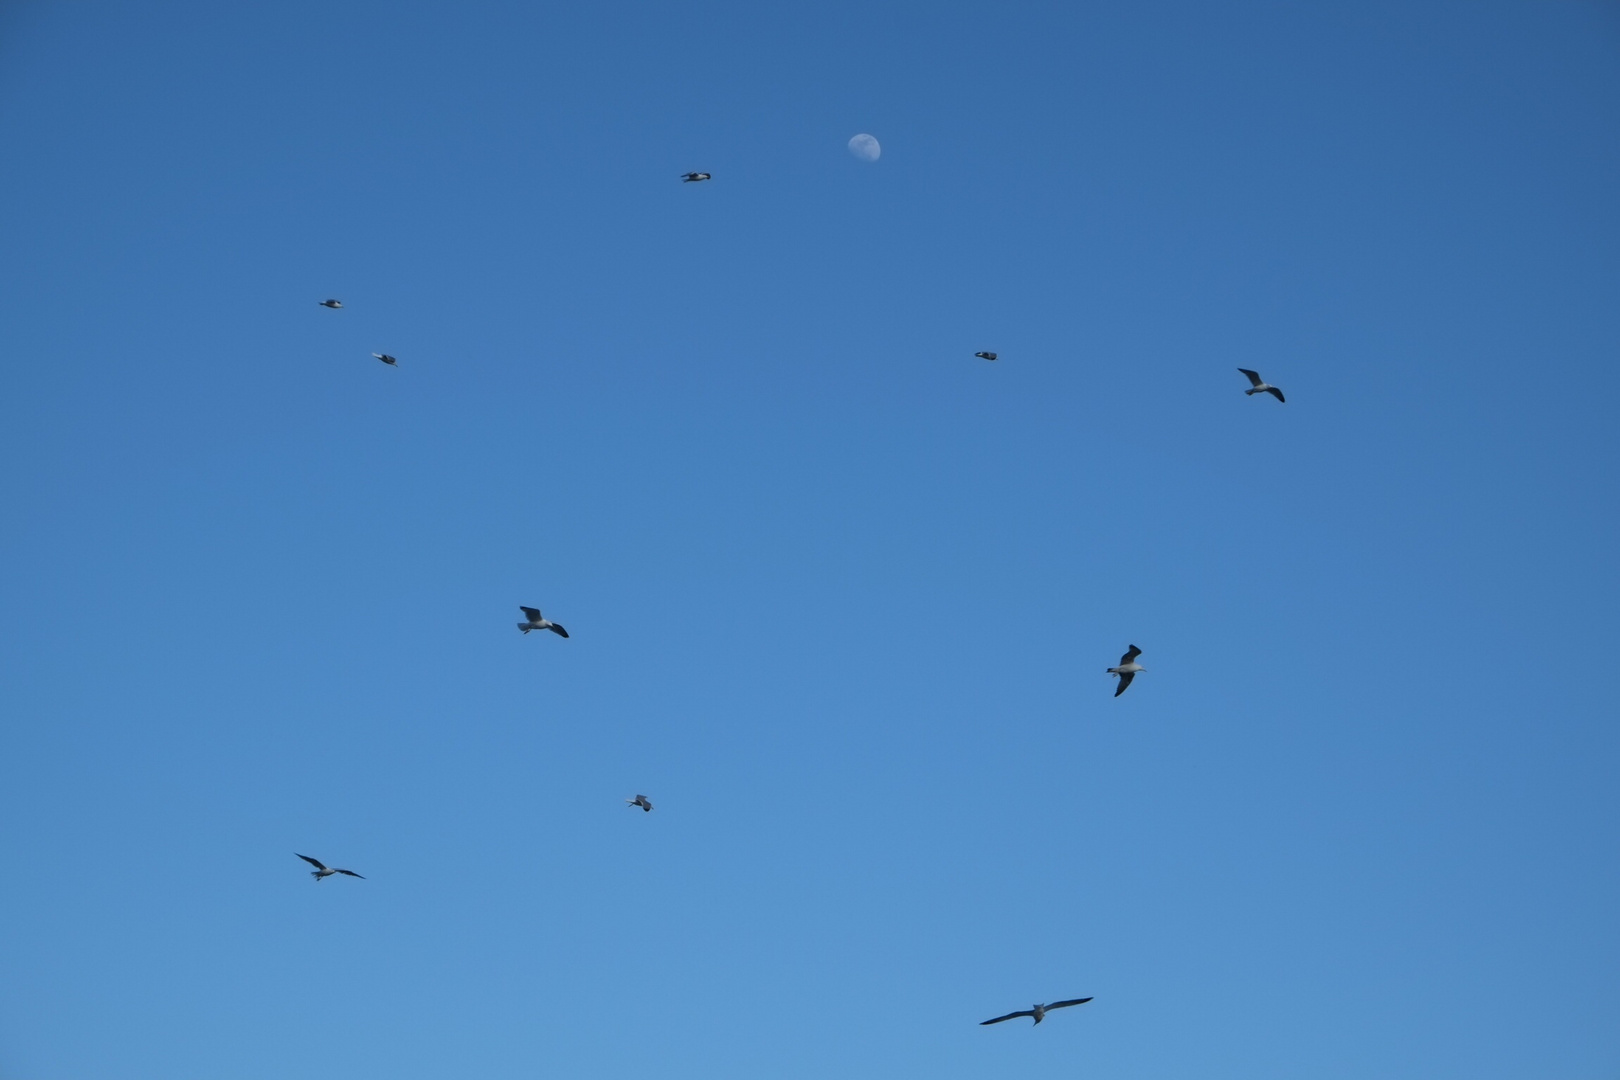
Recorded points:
865,147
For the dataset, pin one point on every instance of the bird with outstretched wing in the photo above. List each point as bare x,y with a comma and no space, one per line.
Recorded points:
1038,1013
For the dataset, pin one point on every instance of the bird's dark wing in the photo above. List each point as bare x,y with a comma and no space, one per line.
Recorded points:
1131,655
351,873
1124,681
532,613
1277,392
316,863
1066,1004
1254,376
1009,1016
554,628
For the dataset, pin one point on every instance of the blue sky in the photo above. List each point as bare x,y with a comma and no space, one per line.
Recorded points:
840,595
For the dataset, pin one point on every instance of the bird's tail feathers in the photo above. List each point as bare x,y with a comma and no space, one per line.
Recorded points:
524,627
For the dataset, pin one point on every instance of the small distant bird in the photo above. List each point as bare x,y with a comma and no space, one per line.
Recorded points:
1128,667
323,871
331,303
694,177
1261,386
641,801
1038,1012
385,358
537,623
985,355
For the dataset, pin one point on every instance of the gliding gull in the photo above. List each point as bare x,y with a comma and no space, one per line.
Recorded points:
537,623
1038,1012
1261,386
1128,667
323,871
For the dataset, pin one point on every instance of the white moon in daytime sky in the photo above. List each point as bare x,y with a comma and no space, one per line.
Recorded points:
865,147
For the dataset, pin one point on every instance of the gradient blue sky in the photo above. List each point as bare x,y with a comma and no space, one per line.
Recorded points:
841,596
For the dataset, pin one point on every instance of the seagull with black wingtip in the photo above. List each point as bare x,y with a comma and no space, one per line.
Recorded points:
695,177
322,871
1260,386
641,801
536,622
1038,1012
1128,667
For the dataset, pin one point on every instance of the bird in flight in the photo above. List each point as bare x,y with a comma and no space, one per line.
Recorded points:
385,358
537,623
330,303
985,355
323,871
1038,1012
1128,667
1261,386
641,801
694,177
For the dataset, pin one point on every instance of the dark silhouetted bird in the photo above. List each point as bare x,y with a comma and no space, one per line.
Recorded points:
385,358
694,177
985,355
1128,667
537,623
323,871
330,303
1261,386
1038,1012
641,801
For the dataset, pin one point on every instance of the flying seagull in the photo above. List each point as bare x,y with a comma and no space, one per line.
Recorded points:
985,355
694,177
537,623
1260,385
323,871
1038,1012
1128,667
641,801
385,358
330,303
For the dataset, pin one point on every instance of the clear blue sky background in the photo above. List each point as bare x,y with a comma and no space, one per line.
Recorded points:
841,596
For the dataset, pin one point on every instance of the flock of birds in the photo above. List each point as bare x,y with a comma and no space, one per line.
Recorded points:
1126,670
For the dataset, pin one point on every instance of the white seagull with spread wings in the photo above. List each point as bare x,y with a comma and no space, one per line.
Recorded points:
1128,667
1261,386
322,871
1038,1012
537,623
